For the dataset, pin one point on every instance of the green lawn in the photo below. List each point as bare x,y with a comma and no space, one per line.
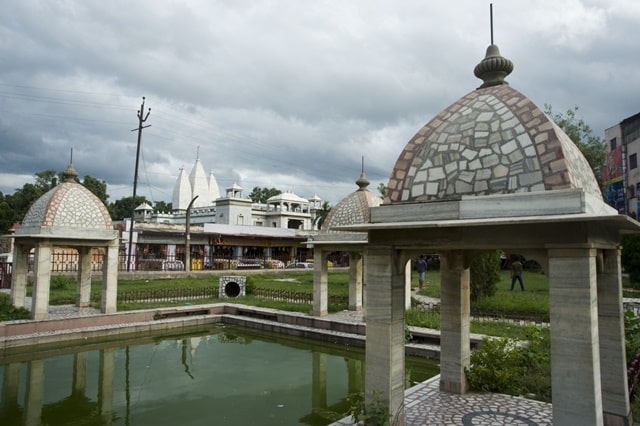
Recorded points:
534,299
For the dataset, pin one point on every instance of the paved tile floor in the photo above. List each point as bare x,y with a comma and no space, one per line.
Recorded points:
425,405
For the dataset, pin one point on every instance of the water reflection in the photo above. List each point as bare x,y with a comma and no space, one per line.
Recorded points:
215,376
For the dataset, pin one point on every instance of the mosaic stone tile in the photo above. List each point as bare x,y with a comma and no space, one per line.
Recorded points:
499,137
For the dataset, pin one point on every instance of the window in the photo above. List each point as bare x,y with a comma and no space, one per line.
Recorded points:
633,161
612,144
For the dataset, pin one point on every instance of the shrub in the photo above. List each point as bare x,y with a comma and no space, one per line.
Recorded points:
375,413
631,258
485,274
60,282
507,366
10,313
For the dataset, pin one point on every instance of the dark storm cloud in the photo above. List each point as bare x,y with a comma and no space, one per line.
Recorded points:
287,94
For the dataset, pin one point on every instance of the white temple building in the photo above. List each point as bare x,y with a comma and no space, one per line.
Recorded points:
286,210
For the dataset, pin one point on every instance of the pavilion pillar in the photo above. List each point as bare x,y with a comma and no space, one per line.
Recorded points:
19,275
320,284
385,330
83,291
613,364
34,393
355,281
42,282
407,284
10,390
80,373
105,384
455,349
319,382
110,279
575,355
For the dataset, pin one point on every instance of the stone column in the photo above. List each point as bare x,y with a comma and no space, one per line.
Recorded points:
613,364
83,291
407,284
355,281
385,330
455,349
10,389
354,374
19,275
80,373
575,355
110,279
320,283
105,384
319,382
34,392
42,272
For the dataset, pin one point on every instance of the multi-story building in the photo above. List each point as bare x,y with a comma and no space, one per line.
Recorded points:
621,176
222,229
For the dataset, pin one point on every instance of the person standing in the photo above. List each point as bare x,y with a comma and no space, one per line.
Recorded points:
516,274
421,266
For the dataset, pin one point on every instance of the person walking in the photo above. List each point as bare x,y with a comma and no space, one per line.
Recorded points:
516,274
421,266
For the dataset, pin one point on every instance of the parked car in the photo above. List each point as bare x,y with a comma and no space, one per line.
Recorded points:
300,265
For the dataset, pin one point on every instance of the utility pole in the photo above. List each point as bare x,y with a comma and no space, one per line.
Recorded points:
187,237
135,176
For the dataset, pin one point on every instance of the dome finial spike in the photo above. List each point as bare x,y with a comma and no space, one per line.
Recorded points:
494,67
491,20
362,182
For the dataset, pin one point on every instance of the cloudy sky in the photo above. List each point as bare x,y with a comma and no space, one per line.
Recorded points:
283,93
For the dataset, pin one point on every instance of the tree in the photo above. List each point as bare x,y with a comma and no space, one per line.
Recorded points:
484,274
97,187
22,199
123,207
630,257
162,207
261,195
592,147
7,215
321,214
382,189
47,179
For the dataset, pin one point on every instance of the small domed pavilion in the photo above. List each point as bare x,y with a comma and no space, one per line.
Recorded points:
68,215
351,210
493,172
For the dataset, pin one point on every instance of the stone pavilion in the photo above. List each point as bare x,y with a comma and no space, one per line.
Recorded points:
490,172
351,210
68,215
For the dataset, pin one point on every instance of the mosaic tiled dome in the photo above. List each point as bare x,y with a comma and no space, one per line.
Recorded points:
493,140
352,209
66,207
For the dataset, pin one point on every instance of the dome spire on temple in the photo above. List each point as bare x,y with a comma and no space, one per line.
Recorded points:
362,181
494,67
70,174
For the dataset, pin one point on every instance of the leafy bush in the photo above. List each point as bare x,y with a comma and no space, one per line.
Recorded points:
507,366
375,413
485,273
10,313
60,282
631,258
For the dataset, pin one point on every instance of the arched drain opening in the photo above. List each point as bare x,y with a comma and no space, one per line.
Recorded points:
232,287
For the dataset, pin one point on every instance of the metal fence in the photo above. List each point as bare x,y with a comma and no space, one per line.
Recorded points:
164,295
68,262
5,274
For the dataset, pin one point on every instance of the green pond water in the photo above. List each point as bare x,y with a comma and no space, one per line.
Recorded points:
218,375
